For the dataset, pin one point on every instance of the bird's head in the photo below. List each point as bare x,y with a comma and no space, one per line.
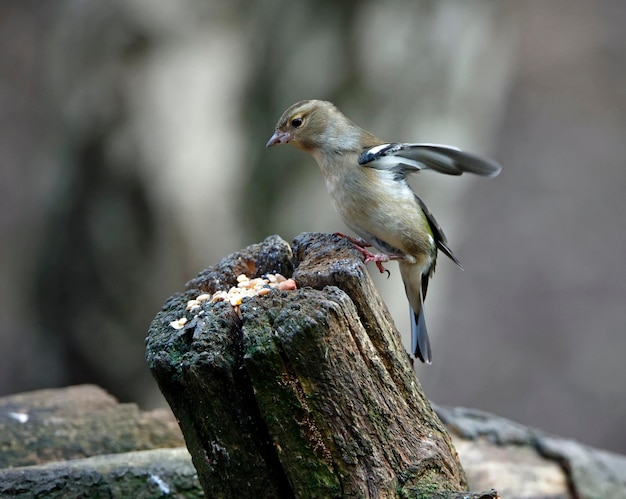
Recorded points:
320,129
305,125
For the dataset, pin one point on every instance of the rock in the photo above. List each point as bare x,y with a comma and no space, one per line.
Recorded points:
140,474
80,421
80,442
523,462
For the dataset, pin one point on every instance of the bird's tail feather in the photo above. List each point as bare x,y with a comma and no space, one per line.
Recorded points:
412,278
420,344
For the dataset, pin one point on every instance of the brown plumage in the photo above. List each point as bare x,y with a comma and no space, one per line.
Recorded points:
366,179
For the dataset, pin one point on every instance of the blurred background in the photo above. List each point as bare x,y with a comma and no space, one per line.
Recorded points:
132,156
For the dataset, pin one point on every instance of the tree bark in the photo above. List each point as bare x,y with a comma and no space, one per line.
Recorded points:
306,392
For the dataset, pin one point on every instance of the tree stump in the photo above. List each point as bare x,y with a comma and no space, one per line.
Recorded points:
298,393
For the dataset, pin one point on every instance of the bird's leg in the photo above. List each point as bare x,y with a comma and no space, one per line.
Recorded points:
357,241
369,257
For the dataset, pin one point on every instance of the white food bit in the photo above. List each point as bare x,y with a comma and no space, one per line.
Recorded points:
259,286
258,282
219,296
191,304
179,323
235,300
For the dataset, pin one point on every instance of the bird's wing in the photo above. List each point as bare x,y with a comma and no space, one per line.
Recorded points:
440,238
403,159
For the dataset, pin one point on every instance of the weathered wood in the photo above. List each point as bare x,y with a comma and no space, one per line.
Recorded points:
306,393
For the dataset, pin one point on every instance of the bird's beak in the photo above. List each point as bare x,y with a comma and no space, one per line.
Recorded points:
278,138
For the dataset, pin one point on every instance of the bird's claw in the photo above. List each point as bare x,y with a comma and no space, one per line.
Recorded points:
377,259
368,256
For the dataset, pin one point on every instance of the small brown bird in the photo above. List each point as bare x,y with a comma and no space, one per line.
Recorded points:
366,179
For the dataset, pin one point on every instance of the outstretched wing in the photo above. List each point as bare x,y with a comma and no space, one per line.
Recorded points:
403,159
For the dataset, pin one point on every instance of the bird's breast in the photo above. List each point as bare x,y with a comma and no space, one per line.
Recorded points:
383,211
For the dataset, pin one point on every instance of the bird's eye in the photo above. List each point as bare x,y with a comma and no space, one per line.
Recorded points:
296,122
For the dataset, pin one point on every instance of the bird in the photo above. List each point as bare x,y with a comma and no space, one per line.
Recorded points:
366,180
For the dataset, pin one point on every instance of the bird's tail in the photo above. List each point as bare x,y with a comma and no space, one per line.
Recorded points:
412,278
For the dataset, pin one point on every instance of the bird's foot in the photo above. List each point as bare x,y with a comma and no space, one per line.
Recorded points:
378,259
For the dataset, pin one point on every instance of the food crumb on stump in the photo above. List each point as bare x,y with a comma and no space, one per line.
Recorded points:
246,287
